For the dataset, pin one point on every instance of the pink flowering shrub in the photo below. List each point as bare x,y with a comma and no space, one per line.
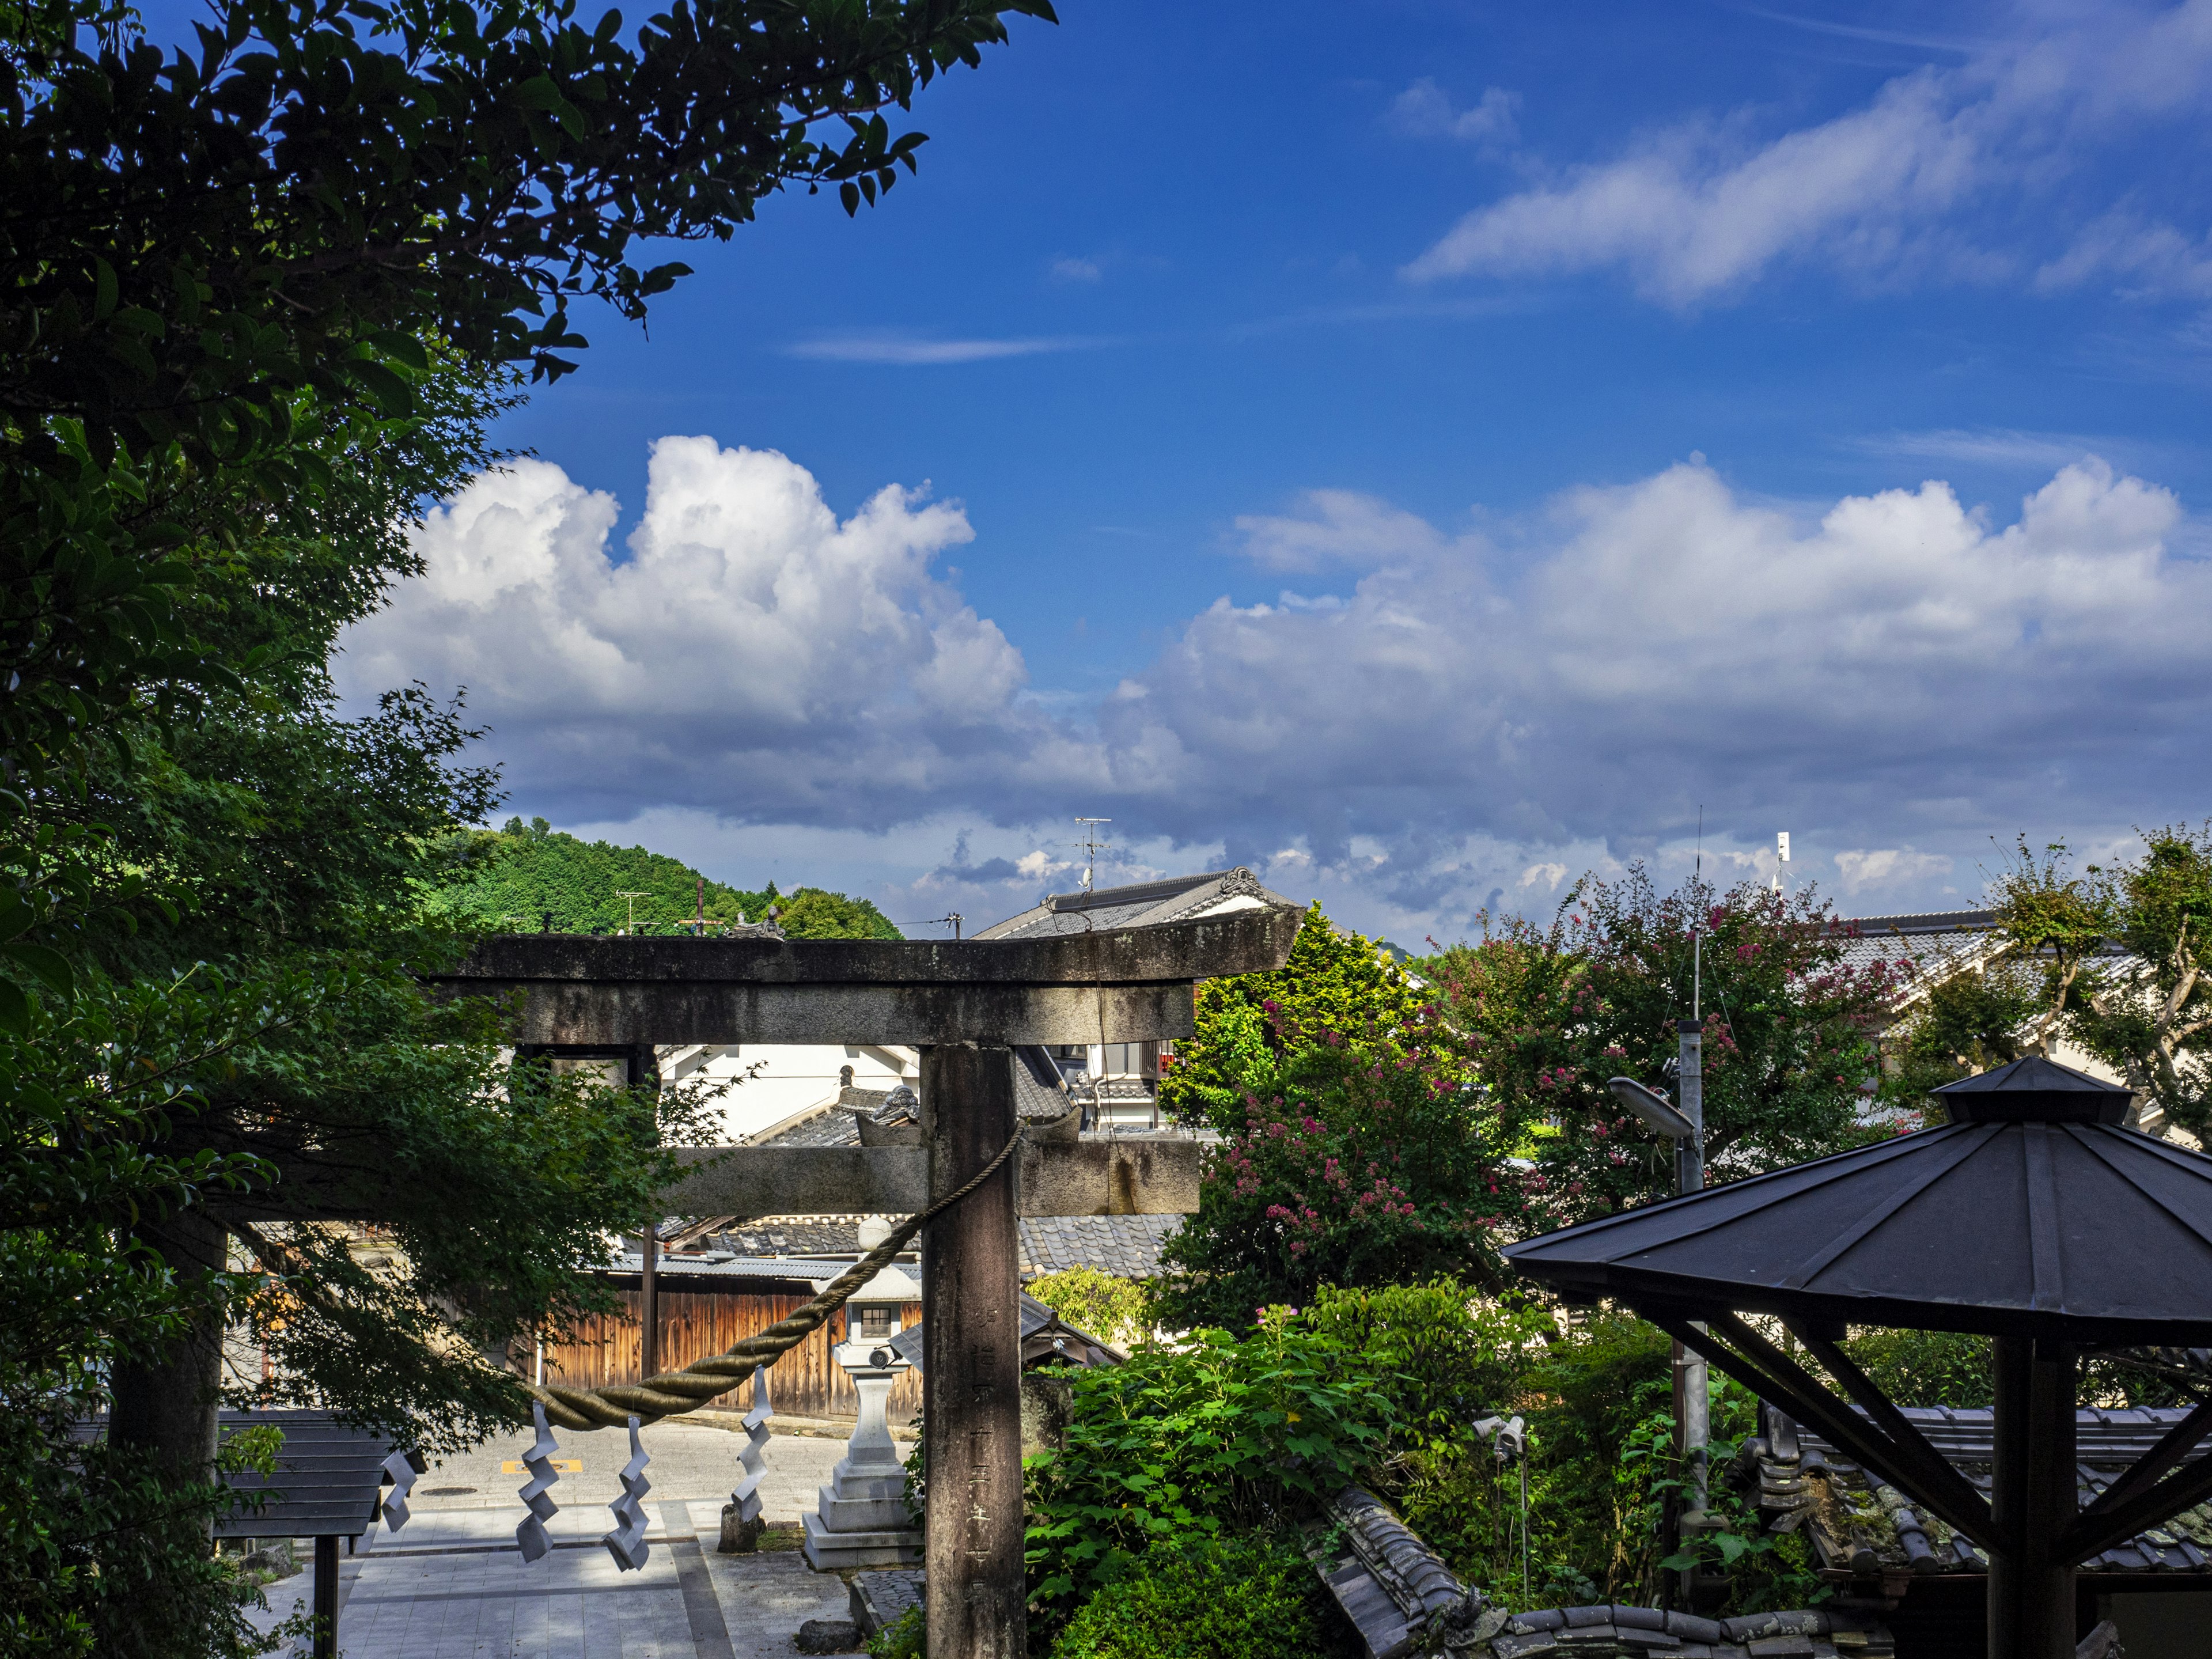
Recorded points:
1553,1012
1364,1159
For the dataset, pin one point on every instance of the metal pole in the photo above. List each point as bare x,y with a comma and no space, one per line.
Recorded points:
1692,1395
972,1364
648,1344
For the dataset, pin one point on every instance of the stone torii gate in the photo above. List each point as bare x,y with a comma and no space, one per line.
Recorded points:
963,1004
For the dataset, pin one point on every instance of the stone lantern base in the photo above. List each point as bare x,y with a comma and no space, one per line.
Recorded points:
860,1518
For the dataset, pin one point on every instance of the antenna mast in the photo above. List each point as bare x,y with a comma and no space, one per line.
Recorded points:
1093,846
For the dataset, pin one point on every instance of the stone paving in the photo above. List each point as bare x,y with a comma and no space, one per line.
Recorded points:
450,1584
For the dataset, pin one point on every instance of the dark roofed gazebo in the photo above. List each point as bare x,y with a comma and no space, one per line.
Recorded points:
2032,1216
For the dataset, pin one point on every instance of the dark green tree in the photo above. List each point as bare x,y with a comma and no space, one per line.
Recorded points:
2124,954
1553,1012
1249,1025
1356,1150
256,299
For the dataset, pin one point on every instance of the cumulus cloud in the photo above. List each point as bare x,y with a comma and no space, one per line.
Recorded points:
1897,662
753,653
1336,527
1702,208
1078,271
1424,110
1452,711
1860,869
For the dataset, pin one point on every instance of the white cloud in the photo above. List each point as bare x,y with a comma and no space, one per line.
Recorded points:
1906,183
1899,674
1337,526
1078,271
753,654
1884,868
1423,110
910,350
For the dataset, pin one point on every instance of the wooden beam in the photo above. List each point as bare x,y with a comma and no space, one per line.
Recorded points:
971,1369
2144,1474
1925,1466
1768,1372
2098,1528
2032,1496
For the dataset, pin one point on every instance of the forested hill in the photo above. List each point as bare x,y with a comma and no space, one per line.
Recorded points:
511,878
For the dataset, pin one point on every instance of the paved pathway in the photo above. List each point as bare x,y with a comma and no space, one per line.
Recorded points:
451,1585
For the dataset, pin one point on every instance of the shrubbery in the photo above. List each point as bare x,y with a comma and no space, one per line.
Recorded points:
1117,1310
1253,1597
1174,1449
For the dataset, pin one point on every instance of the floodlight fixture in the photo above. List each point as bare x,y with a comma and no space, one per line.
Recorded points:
1652,1107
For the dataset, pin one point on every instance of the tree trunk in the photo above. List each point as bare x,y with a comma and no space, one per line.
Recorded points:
167,1405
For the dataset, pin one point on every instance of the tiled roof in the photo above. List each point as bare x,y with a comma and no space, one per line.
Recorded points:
1401,1598
1126,1246
792,1235
1039,1097
1867,1530
1934,946
1141,904
826,1126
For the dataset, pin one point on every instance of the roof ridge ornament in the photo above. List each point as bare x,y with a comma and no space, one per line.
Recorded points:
2034,1089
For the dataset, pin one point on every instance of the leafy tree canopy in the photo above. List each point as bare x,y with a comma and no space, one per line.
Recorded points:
223,265
2115,959
513,878
1355,1148
1553,1012
1248,1025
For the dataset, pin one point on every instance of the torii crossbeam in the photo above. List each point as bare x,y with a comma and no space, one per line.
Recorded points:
963,1004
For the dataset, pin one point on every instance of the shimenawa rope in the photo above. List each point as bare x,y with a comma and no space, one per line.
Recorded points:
673,1393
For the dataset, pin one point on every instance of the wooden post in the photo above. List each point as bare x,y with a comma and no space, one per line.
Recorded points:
971,1365
2032,1497
643,1072
648,1338
326,1597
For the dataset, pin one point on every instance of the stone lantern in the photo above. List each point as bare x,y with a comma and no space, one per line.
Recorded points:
862,1518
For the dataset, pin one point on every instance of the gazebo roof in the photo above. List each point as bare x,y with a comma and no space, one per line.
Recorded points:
2032,1212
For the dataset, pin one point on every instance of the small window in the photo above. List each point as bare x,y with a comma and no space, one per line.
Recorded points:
875,1322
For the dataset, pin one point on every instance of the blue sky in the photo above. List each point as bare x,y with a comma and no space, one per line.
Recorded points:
1424,450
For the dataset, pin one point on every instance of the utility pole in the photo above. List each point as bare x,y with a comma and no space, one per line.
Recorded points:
1683,1121
630,926
1091,845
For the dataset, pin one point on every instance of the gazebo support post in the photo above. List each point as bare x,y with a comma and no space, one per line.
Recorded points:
2032,1501
971,1365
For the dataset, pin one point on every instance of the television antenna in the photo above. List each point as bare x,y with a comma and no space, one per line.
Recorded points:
1092,846
630,926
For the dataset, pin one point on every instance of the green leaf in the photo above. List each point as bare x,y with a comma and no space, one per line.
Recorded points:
49,964
404,347
105,288
14,1010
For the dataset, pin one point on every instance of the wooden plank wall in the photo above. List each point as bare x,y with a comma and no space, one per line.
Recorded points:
805,1382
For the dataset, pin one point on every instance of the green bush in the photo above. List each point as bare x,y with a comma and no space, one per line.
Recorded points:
1592,1525
906,1636
1176,1449
1253,1597
1117,1310
1442,1355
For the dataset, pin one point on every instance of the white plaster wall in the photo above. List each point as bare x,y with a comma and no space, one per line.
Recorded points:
781,1081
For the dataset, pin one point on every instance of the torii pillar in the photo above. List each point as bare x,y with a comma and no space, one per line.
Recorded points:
963,1004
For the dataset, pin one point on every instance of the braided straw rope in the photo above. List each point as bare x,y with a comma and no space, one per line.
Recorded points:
673,1393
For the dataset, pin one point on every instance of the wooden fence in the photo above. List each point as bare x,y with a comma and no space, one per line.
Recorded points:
696,1323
